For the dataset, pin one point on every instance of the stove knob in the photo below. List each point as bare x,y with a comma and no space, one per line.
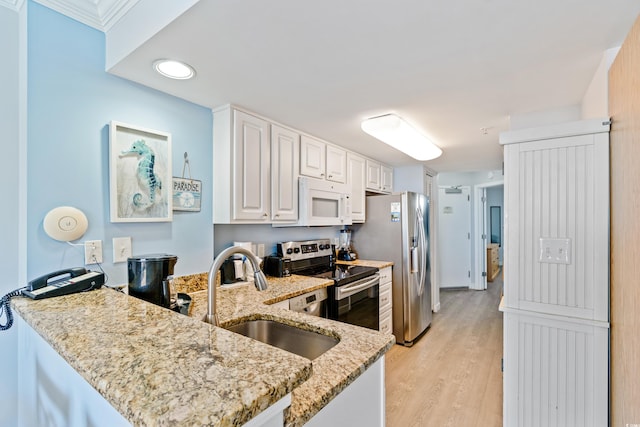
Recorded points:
289,251
296,250
321,247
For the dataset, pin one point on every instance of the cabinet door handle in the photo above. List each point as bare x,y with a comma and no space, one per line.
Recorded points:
264,215
277,215
321,174
330,176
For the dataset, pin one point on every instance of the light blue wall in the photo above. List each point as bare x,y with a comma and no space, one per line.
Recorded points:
10,219
71,102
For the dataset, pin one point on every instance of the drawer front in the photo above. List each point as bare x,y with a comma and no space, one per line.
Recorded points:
385,300
385,275
386,323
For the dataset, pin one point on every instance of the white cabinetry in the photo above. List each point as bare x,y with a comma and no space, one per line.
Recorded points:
386,302
356,175
374,178
241,161
362,403
284,174
255,169
322,160
379,177
387,178
312,157
556,288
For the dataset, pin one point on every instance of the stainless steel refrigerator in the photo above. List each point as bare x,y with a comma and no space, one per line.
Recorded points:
397,229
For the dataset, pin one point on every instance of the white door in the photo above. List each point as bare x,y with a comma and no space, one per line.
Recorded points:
312,157
454,237
284,174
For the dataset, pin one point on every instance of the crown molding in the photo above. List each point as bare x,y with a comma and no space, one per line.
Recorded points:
99,14
12,4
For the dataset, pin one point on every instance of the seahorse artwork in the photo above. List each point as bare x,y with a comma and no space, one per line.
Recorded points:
145,173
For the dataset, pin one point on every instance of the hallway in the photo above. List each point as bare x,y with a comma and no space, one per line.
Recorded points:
451,376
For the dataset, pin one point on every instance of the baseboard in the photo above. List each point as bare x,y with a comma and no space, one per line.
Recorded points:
456,288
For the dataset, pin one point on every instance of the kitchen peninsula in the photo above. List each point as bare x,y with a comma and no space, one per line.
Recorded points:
157,367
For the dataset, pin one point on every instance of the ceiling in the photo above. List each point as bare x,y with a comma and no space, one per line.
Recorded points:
451,68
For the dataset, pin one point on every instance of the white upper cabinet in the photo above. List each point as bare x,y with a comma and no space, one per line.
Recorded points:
312,157
241,175
387,178
374,178
379,177
321,160
356,175
336,164
284,174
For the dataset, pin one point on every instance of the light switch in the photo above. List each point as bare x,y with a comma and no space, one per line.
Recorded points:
555,251
121,249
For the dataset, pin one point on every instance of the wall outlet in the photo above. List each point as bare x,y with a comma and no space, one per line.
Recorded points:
92,252
121,249
260,250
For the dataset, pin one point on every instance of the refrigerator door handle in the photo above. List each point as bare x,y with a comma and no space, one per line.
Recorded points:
422,245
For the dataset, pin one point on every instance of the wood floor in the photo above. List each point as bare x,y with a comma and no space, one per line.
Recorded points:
451,376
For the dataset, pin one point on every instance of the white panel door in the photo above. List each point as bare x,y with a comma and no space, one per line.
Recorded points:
356,180
336,164
312,157
252,198
454,237
284,174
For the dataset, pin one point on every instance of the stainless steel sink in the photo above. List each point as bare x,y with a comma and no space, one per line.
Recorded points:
294,340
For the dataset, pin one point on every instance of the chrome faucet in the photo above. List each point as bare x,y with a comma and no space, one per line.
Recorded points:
260,281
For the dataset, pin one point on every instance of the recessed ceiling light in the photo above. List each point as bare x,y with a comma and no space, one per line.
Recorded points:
394,131
174,69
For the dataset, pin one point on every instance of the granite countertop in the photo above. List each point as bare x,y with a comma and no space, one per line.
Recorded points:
367,263
157,367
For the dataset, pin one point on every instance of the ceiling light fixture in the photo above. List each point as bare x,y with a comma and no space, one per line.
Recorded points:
394,131
174,69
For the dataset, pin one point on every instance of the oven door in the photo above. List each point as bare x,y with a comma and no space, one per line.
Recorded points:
357,303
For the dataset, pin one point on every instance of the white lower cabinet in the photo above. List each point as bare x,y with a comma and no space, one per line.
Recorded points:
385,301
555,371
362,403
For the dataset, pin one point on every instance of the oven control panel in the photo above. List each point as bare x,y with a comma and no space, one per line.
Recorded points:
306,249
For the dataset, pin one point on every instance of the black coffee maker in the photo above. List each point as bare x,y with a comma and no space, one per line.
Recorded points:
150,277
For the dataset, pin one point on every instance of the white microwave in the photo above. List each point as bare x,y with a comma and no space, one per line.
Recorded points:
323,202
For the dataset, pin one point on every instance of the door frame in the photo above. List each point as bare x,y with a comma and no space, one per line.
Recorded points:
469,189
480,216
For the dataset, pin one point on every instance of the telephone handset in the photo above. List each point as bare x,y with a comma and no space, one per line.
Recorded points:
63,282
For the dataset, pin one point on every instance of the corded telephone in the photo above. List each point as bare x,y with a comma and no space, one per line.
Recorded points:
54,284
63,282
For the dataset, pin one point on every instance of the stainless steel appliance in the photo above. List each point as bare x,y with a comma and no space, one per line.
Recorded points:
277,266
150,278
354,296
397,229
312,303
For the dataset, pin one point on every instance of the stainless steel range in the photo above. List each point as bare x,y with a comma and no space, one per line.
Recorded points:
354,296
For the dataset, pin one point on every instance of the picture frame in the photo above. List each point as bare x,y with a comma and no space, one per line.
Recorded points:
140,178
187,194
